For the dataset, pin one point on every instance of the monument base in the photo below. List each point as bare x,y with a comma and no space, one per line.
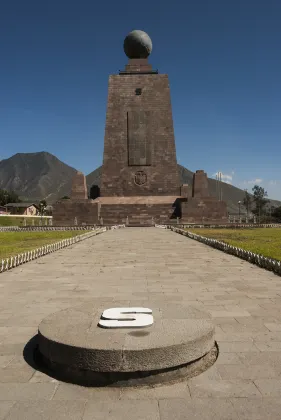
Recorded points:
84,377
139,211
179,344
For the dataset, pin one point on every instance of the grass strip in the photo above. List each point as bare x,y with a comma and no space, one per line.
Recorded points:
263,241
13,243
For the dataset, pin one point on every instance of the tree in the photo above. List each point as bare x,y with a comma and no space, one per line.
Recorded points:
259,195
276,212
247,201
8,197
42,206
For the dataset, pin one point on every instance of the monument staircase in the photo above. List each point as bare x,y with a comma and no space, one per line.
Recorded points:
136,211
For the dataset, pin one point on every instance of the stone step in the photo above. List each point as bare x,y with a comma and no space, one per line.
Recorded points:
139,224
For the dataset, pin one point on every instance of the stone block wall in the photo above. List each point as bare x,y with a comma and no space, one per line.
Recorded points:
65,212
139,147
136,214
186,191
208,209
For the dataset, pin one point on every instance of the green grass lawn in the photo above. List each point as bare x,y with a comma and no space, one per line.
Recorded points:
13,243
18,221
265,241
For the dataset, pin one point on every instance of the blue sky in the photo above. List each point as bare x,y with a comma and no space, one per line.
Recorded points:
224,64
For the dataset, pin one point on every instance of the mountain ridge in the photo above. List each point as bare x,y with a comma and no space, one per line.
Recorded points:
41,175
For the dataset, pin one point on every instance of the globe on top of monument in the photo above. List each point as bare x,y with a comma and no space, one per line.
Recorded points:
137,44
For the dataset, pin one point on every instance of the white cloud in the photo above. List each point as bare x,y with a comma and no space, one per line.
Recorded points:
253,181
224,177
272,182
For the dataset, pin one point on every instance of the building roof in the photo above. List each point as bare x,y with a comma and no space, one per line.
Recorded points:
25,205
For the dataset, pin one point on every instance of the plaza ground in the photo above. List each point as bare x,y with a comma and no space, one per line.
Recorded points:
141,266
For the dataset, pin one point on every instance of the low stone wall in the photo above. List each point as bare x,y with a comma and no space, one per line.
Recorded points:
260,260
25,257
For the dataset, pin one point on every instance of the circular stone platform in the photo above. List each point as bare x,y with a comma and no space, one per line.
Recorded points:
71,344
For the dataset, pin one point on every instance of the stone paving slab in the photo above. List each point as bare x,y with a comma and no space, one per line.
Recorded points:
118,410
142,266
47,410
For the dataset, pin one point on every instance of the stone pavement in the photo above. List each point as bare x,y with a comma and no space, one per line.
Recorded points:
140,266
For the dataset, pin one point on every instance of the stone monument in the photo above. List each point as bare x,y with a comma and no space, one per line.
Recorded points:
140,176
139,146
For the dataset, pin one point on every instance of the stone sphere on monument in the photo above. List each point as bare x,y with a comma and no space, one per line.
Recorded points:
137,44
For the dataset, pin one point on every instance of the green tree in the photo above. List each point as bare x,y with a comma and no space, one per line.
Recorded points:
247,201
8,197
259,199
42,207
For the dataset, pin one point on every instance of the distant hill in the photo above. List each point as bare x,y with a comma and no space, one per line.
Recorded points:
34,176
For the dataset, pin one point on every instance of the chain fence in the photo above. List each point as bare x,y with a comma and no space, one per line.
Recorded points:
257,259
22,258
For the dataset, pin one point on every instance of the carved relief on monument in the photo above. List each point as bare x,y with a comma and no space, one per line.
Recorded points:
140,178
139,143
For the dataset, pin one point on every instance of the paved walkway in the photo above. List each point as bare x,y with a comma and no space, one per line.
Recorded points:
141,266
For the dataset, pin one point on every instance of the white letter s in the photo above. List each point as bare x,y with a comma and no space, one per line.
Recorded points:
126,318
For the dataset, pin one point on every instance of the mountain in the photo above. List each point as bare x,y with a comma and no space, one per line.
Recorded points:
34,176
